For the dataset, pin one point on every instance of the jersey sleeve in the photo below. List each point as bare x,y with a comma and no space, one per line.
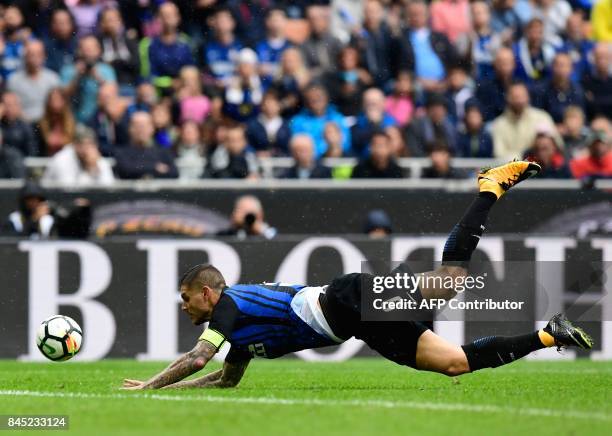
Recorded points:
222,322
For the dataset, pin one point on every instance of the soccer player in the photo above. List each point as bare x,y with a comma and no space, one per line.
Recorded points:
270,320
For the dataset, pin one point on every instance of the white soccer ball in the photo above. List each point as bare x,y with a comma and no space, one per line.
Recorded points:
59,338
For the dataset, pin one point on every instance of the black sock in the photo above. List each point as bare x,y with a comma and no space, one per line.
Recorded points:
464,237
494,351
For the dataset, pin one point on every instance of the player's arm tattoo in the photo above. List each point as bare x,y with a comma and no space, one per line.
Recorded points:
189,363
228,377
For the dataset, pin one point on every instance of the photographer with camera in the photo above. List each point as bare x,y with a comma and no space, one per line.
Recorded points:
83,79
38,218
247,220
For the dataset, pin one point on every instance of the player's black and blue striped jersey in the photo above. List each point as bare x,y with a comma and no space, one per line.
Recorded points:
258,320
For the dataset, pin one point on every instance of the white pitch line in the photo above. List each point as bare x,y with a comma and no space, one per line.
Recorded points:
386,404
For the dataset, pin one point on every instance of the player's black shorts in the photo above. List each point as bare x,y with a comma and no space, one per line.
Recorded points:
394,340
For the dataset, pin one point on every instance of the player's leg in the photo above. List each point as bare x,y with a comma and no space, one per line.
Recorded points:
464,237
436,354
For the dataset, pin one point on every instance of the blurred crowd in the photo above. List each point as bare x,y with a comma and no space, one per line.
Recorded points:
212,86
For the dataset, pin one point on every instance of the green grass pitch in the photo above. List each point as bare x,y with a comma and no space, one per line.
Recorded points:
292,397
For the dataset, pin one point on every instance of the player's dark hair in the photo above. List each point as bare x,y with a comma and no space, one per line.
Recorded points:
205,275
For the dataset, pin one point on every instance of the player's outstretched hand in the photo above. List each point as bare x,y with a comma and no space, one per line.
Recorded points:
132,385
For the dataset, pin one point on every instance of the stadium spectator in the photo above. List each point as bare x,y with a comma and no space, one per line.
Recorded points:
111,120
142,158
334,140
601,123
372,117
533,53
427,53
398,144
598,163
250,18
378,224
321,48
473,139
400,103
269,133
346,15
293,78
377,43
79,164
221,50
33,218
451,17
574,132
504,18
380,163
245,89
481,43
248,220
33,82
305,167
190,151
163,56
62,43
597,82
459,89
86,13
315,116
14,36
165,134
11,162
514,130
270,49
576,44
549,155
346,84
232,159
554,15
491,93
434,126
16,132
57,126
83,79
146,98
119,50
601,18
440,168
192,104
556,94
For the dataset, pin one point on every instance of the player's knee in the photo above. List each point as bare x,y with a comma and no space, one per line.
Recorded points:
456,364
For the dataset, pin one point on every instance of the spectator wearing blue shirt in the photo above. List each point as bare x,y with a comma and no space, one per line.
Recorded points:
317,114
425,52
533,54
83,79
577,45
62,43
221,51
371,119
270,50
269,133
162,57
473,140
491,94
15,37
558,93
504,18
245,89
